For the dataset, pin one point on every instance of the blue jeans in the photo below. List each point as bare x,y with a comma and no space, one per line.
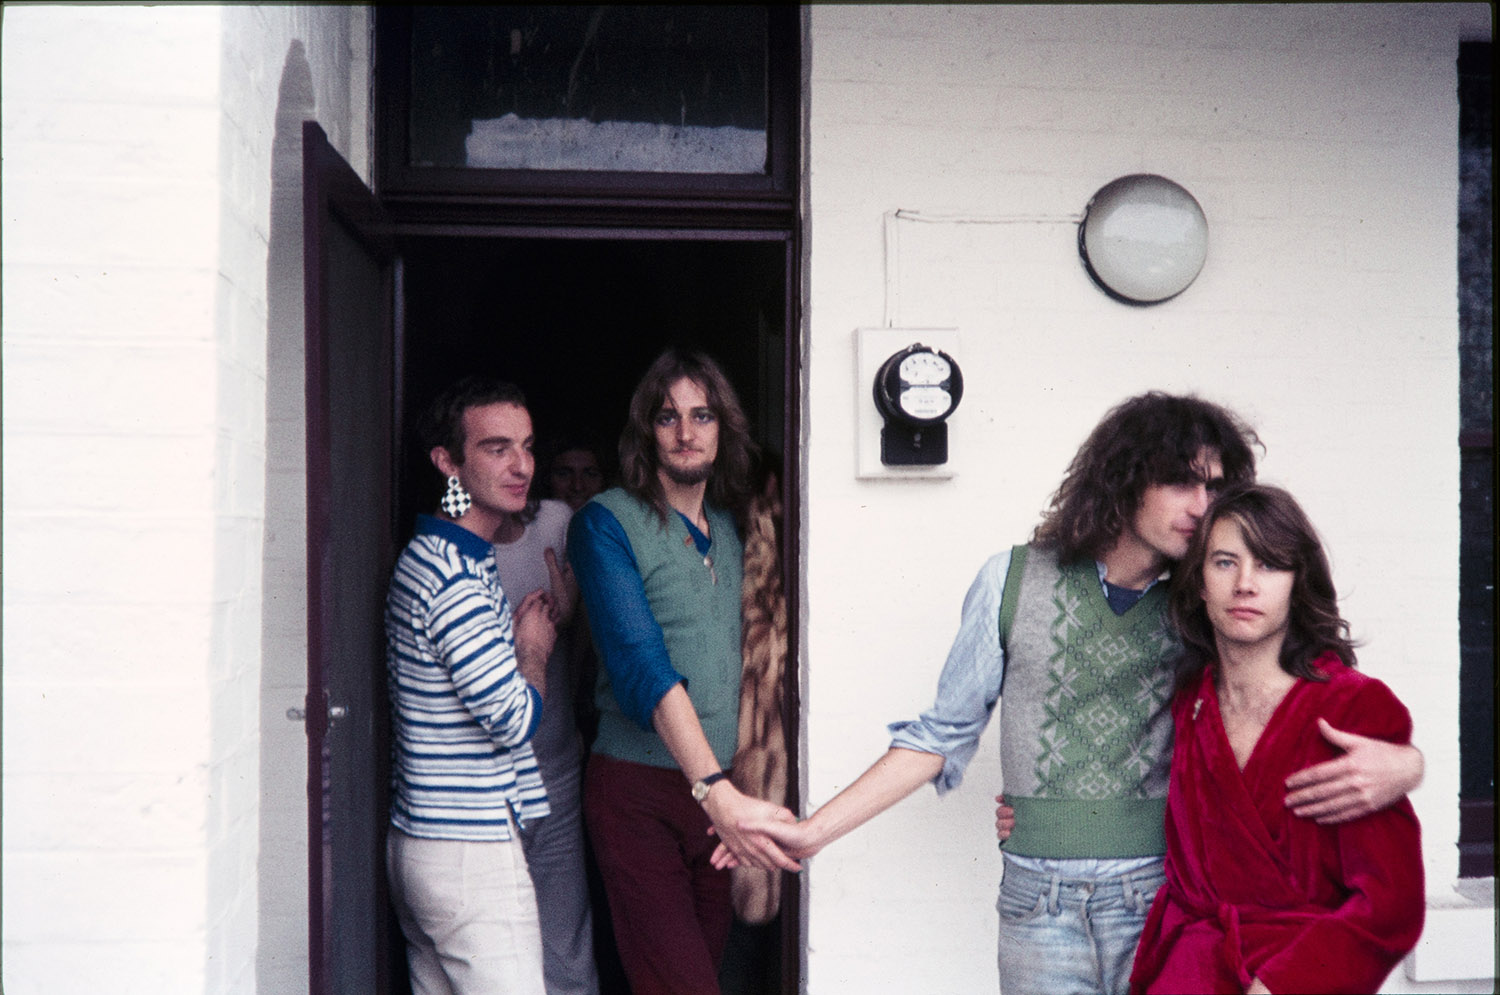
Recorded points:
1074,932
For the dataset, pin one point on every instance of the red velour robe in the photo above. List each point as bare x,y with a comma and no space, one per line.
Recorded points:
1252,890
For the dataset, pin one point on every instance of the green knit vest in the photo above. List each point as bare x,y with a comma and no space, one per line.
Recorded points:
1085,722
699,619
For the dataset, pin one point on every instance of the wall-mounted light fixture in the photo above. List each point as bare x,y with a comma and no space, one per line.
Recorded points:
1143,238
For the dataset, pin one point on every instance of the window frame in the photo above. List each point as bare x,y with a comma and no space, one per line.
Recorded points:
773,190
1476,441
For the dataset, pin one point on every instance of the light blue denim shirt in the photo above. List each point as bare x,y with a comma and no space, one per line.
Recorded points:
967,692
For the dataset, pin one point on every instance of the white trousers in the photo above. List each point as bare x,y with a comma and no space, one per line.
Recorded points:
469,914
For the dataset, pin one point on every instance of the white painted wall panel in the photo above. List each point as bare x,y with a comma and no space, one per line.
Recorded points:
154,630
143,852
1322,143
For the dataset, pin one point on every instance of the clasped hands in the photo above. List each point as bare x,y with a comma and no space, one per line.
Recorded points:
757,833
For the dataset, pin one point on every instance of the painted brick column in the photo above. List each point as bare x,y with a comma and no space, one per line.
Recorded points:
115,606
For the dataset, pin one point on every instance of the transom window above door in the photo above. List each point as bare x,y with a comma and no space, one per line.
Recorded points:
652,99
630,89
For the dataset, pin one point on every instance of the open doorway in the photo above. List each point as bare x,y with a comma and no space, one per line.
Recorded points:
575,322
668,216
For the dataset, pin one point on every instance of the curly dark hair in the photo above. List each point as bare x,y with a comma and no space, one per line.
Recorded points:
730,485
1151,439
1279,534
442,422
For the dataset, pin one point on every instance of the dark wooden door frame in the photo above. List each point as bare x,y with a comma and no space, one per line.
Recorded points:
334,195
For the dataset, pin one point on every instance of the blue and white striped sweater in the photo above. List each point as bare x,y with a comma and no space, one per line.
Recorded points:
463,714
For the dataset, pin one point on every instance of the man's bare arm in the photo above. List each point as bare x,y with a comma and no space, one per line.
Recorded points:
889,779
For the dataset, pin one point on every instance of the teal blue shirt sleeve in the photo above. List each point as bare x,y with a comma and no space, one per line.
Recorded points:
626,634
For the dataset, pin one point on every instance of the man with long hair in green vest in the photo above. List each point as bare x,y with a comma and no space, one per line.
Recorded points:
659,565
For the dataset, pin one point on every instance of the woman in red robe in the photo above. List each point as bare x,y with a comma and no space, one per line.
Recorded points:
1258,900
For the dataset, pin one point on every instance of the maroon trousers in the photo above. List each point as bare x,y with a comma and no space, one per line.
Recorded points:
671,909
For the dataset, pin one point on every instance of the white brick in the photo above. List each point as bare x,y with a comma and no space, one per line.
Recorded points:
116,54
138,184
56,642
70,141
142,728
1321,141
125,223
81,302
101,474
119,390
119,913
120,968
129,810
145,562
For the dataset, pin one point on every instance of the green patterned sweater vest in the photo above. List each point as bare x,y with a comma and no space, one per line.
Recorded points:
1085,723
698,610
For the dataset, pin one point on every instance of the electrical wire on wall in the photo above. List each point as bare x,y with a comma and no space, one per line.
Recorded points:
892,221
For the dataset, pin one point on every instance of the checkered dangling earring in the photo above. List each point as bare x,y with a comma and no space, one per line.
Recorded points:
457,500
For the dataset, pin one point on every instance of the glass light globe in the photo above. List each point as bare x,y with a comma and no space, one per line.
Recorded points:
1143,238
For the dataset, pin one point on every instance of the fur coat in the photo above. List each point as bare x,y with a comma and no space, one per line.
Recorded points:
760,760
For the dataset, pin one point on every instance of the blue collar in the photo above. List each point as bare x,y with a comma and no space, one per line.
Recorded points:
468,543
701,541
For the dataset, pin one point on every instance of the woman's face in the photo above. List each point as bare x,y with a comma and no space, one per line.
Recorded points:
1248,602
575,477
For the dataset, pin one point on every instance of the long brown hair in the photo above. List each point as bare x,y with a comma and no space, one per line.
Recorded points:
729,485
1149,439
1278,533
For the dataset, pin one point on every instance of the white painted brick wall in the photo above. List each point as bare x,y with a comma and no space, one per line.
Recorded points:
152,371
281,65
1322,142
142,850
111,204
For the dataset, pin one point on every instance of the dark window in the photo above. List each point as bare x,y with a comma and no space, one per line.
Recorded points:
1476,842
667,102
615,88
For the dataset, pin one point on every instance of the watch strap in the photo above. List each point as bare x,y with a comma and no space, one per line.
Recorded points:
700,788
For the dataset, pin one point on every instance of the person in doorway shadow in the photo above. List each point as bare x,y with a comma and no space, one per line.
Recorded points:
530,554
576,470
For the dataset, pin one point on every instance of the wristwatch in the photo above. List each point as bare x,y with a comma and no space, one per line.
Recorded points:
700,788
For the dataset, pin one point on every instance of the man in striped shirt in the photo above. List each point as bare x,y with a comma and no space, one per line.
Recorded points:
467,674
